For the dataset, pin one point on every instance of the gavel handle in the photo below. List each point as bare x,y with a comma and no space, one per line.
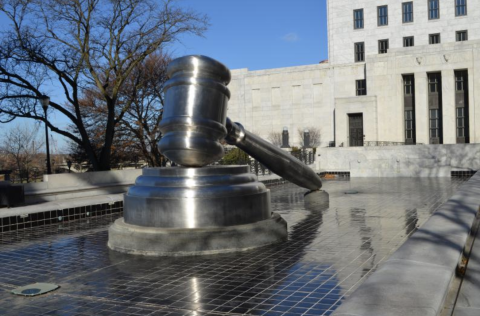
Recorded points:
279,161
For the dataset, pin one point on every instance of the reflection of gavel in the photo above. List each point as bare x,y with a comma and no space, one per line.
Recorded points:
194,121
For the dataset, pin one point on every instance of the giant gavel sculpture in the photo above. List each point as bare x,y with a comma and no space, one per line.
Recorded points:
199,209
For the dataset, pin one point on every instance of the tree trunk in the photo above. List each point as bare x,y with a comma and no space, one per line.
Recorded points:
106,153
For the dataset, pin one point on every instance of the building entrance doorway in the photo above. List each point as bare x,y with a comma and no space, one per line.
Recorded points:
355,125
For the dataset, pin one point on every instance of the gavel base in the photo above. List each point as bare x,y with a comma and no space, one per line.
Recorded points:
152,241
196,211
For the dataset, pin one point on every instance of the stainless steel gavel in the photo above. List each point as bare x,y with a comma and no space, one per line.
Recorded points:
195,120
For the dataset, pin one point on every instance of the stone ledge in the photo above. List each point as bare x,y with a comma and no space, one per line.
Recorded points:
416,278
467,311
66,190
173,242
69,194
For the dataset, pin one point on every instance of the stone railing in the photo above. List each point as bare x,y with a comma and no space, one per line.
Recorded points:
381,143
77,185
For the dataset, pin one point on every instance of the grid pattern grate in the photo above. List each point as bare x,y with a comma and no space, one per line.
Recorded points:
329,253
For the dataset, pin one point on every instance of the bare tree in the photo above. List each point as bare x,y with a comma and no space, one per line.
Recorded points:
79,46
275,138
141,121
315,136
21,147
137,133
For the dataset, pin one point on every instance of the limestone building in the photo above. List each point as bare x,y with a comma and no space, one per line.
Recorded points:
398,71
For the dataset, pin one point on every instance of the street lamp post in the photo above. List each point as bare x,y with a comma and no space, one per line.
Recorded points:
69,164
45,100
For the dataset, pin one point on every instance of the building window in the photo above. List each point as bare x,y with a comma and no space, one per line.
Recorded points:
434,123
361,87
358,19
409,108
435,107
433,9
434,38
383,46
462,36
359,52
382,15
408,85
460,122
408,41
461,106
409,131
407,10
434,83
460,7
459,81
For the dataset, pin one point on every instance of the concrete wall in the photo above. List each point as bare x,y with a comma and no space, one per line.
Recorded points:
400,161
265,101
342,35
76,185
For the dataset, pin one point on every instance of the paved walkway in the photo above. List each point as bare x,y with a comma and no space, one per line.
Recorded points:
468,302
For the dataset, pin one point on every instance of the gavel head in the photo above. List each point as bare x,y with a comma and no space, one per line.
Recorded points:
195,110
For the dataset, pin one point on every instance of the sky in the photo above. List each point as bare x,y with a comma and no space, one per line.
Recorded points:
260,34
253,34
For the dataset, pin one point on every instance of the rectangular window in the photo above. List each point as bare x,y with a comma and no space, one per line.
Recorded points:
460,122
434,84
460,7
361,87
358,19
462,36
460,81
409,131
433,9
359,52
408,41
409,108
434,38
435,107
434,123
382,12
461,106
407,12
383,46
408,85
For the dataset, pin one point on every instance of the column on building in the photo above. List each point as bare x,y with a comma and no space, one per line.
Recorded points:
421,108
448,106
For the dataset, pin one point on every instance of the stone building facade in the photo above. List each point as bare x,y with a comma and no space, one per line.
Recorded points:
398,71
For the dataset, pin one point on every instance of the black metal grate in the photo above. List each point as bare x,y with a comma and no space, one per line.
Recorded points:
462,173
18,222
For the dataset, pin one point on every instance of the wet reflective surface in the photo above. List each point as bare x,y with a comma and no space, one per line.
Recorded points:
330,251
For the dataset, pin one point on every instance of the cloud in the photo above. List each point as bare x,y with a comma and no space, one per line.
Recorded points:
291,37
